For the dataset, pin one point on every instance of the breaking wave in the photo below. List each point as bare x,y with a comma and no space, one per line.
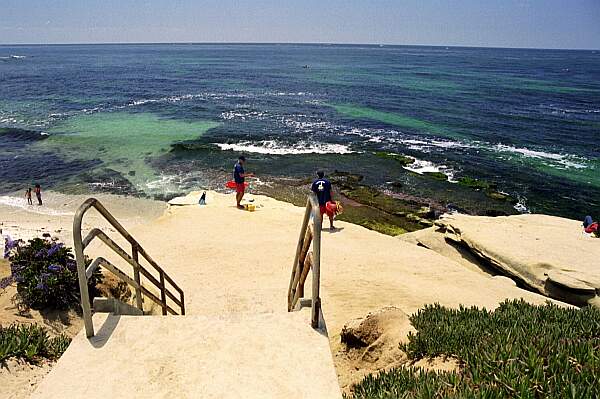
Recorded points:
277,148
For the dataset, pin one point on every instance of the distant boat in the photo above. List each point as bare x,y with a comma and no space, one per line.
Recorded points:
305,66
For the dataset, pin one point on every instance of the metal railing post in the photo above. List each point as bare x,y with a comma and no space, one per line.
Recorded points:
84,272
81,274
136,276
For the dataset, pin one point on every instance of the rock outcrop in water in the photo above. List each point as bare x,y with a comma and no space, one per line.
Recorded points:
547,253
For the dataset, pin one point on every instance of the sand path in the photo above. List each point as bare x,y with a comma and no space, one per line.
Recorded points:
232,261
227,260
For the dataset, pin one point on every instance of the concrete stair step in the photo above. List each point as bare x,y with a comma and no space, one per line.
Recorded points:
271,355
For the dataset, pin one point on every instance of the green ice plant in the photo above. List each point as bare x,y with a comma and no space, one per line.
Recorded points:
519,350
31,343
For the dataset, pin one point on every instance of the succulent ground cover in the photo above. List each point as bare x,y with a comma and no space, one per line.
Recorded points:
517,351
45,275
31,343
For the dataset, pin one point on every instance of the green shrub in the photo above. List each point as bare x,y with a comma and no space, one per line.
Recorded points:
46,274
30,342
518,350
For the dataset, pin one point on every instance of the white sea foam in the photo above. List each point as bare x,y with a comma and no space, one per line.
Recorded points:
17,202
521,206
565,160
213,96
557,110
243,115
422,166
425,145
13,57
278,148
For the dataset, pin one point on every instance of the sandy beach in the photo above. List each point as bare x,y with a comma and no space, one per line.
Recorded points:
229,261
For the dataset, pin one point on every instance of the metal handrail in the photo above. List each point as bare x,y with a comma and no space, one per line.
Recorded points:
304,261
84,273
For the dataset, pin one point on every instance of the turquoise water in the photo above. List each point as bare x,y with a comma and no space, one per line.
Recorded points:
159,120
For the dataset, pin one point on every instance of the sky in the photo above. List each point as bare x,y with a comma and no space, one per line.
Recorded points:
489,23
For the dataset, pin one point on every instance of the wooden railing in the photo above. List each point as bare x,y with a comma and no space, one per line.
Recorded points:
307,259
85,272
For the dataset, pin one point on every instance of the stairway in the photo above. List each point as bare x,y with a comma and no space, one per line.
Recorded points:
269,355
237,339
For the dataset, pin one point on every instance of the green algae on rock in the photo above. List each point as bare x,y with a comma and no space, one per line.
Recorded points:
402,159
436,175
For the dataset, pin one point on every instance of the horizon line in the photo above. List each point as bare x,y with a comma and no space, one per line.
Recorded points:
298,43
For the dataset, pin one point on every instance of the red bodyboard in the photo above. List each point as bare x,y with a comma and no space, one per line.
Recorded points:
231,184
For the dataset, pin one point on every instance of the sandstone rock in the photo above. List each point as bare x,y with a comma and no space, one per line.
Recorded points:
433,238
366,331
547,253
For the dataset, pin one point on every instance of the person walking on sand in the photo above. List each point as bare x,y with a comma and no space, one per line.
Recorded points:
38,193
28,196
322,188
239,176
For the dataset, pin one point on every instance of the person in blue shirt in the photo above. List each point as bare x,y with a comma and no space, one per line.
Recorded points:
322,188
239,176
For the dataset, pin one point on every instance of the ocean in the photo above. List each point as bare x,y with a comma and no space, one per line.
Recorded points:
162,119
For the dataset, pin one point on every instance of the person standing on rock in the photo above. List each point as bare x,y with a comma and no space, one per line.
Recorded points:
38,193
239,176
322,188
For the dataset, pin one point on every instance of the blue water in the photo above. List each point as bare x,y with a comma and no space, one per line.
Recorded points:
158,120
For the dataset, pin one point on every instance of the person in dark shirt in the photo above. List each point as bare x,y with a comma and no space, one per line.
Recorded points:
322,188
38,193
239,176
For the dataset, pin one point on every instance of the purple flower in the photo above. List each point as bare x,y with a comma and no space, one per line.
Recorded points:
41,286
71,265
55,268
54,248
41,253
9,245
16,268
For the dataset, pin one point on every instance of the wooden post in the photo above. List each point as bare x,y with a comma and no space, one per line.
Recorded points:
136,276
163,293
182,304
316,270
291,288
308,262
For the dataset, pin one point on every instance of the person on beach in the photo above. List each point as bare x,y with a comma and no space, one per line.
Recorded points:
322,188
239,176
38,193
28,196
591,227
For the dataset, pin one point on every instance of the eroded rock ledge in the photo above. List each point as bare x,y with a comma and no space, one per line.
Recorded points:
549,254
